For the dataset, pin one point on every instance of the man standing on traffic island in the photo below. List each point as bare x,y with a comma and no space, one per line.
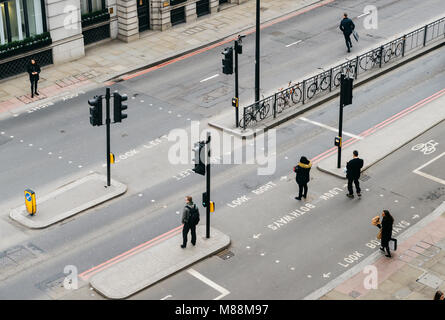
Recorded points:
33,69
347,26
353,168
190,218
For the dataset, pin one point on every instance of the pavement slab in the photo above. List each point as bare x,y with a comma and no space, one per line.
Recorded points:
146,267
68,200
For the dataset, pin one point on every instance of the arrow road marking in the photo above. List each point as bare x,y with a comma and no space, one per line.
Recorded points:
330,128
293,43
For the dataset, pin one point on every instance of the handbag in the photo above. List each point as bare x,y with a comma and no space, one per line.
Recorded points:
379,235
355,34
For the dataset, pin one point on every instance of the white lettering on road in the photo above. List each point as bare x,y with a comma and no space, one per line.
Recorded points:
352,258
291,216
239,201
183,174
331,193
264,188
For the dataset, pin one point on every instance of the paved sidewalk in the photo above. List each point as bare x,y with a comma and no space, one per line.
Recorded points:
68,200
154,261
415,271
380,141
114,58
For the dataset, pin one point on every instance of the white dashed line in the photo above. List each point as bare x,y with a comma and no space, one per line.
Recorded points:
277,261
330,128
291,44
140,194
209,78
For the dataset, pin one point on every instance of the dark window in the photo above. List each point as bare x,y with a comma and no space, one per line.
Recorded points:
177,15
175,2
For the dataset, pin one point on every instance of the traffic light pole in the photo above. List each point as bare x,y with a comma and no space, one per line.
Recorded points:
236,83
340,121
108,121
257,53
208,187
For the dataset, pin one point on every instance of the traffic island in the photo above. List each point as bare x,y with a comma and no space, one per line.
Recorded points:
382,140
141,269
68,200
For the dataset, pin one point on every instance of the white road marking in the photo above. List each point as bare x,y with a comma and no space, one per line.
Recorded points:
291,44
364,14
247,247
277,261
256,236
166,297
140,194
11,137
209,78
426,175
3,132
330,128
326,275
196,274
416,216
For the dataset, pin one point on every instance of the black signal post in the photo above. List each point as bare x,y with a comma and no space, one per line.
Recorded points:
108,121
235,103
345,99
208,186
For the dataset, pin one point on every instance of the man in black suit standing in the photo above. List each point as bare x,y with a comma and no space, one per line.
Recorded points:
353,168
347,26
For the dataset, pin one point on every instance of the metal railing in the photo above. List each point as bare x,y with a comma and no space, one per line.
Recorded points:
328,80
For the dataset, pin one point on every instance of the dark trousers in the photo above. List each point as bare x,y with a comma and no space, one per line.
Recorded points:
33,85
185,231
302,189
357,185
348,40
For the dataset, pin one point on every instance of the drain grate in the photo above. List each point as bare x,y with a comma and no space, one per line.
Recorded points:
225,254
354,294
364,177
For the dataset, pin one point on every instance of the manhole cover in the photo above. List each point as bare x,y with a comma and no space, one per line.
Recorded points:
226,254
354,294
430,280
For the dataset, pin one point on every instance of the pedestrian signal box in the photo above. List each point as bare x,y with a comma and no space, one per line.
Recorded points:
30,201
112,158
337,142
235,102
212,206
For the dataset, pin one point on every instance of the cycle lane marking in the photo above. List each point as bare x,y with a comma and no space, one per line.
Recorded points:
223,292
330,128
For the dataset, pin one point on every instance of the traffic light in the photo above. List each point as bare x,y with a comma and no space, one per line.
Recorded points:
227,61
205,201
96,111
238,47
346,91
200,167
119,107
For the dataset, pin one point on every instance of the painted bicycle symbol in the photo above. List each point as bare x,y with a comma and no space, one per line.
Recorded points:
427,148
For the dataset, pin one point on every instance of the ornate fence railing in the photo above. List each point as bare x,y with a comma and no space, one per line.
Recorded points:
328,80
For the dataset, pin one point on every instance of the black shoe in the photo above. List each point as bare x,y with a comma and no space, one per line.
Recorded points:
32,95
388,255
298,198
36,93
349,50
194,243
183,246
304,197
359,194
350,195
383,249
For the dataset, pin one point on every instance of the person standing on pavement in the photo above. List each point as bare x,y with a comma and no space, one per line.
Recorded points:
386,226
347,26
302,176
190,218
353,169
33,69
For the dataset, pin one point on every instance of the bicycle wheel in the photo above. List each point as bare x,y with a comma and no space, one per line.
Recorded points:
398,50
264,110
387,55
418,146
366,62
325,82
250,118
296,95
280,104
337,78
311,90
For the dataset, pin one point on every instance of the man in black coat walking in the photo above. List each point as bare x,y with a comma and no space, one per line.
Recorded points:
347,26
353,168
386,226
302,177
33,69
187,220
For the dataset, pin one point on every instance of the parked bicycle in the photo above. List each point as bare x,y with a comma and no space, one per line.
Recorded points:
260,109
321,82
395,49
284,96
348,70
370,60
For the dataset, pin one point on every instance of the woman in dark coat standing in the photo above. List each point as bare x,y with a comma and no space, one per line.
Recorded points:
386,226
302,177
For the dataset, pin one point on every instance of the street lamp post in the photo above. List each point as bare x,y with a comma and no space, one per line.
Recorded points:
257,53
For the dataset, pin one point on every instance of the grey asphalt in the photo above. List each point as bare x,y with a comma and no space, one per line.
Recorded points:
90,239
